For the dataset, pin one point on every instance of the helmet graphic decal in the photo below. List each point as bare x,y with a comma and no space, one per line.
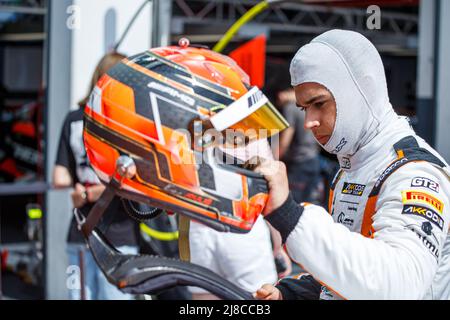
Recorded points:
161,109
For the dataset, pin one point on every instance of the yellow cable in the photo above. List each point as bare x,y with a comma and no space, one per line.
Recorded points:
249,15
159,235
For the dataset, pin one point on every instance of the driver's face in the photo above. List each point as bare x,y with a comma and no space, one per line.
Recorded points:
320,109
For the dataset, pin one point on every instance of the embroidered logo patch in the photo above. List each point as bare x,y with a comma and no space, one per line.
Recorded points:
432,247
389,170
425,183
345,163
340,145
413,197
353,188
423,212
342,219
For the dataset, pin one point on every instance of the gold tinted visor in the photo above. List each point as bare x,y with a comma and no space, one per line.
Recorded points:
253,114
265,118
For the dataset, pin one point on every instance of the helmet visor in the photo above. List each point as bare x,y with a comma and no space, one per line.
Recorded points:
253,114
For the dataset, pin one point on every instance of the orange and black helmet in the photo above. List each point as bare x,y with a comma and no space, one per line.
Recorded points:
149,106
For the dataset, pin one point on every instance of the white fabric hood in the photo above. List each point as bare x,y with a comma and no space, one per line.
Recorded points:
350,67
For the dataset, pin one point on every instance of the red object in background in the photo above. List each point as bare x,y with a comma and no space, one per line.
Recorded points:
25,128
251,57
9,166
4,259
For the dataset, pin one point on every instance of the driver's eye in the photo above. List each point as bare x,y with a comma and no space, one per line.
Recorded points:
300,107
319,104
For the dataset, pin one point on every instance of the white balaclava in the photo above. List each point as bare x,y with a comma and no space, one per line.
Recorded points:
350,67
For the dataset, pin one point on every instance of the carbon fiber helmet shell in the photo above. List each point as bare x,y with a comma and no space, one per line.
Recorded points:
142,108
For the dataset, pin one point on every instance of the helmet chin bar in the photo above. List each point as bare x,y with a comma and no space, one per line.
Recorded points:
145,274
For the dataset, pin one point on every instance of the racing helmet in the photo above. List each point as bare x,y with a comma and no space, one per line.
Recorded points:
158,109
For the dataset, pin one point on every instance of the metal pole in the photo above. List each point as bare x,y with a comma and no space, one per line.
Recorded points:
57,203
426,102
161,15
442,111
82,273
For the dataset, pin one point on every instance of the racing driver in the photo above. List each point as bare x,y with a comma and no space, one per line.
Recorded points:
384,235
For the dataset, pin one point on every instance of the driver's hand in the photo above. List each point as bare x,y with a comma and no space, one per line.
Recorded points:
94,192
79,196
275,174
268,292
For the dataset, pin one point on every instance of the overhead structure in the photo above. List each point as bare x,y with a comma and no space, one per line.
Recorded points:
363,3
294,19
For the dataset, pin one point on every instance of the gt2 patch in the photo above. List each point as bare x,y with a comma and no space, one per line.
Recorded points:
353,189
426,213
413,196
425,183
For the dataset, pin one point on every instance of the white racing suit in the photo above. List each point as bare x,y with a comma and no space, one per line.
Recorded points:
385,233
405,255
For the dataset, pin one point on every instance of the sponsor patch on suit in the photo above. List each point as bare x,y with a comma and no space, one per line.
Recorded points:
425,183
353,189
432,247
426,213
342,219
421,197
